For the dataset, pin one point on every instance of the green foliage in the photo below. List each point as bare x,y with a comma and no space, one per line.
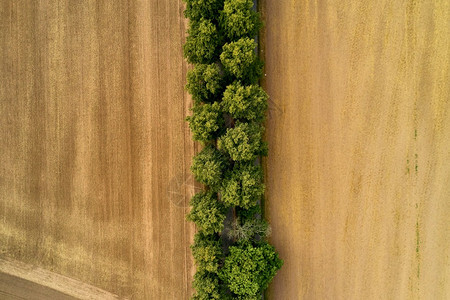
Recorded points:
207,212
256,297
248,230
207,252
251,263
202,43
207,286
245,102
243,142
206,121
197,9
248,269
243,185
238,19
204,83
240,60
209,167
248,214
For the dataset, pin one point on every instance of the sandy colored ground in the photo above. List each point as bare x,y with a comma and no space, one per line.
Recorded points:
16,288
94,149
22,281
359,134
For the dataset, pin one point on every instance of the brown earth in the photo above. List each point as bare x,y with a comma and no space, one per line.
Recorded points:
22,281
94,149
358,172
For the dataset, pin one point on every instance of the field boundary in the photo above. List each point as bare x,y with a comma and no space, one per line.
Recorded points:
53,281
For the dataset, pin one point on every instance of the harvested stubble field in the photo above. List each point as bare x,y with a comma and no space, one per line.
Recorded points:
358,170
94,149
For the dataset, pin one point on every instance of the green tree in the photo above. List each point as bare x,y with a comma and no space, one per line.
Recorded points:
197,9
243,142
207,286
207,212
248,230
202,43
240,60
204,83
249,214
248,268
209,167
207,252
206,121
245,102
246,297
243,185
238,19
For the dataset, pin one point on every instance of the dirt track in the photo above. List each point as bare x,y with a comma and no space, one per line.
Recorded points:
359,134
94,149
24,281
16,288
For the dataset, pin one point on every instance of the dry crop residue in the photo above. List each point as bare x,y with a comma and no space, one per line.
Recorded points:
94,149
359,162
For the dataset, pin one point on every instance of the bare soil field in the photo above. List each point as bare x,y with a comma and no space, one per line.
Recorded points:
94,149
358,191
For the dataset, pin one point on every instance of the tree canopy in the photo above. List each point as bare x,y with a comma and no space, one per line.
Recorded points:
232,258
245,102
243,185
243,142
240,60
209,167
202,43
207,286
204,83
206,121
238,19
197,9
249,268
248,230
248,214
207,252
207,212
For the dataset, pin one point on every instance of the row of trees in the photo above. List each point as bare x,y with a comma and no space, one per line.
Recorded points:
233,258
